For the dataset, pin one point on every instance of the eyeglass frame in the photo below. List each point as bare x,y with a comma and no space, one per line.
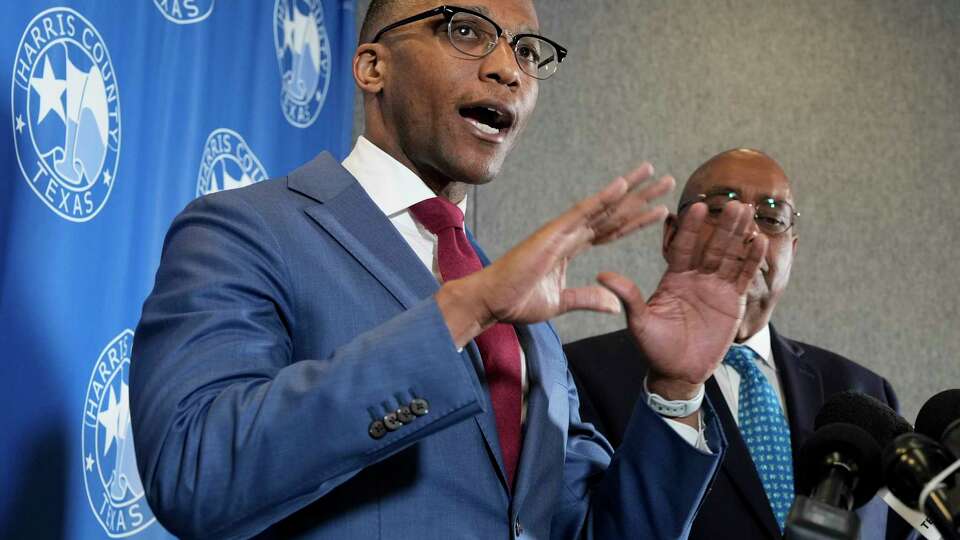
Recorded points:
449,11
701,197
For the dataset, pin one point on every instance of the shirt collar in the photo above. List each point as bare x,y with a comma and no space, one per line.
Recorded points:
393,187
760,344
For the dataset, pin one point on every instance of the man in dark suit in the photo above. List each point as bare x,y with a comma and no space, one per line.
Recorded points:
330,355
797,377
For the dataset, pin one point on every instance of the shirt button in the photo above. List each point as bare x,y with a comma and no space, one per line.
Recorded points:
419,407
517,527
392,422
377,429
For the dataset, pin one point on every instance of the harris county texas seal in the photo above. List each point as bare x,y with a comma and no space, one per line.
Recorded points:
303,51
185,11
65,109
110,473
227,163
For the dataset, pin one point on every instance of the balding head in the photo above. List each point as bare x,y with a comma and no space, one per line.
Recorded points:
752,177
737,166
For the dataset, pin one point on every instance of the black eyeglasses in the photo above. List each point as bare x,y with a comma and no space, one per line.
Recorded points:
773,216
474,34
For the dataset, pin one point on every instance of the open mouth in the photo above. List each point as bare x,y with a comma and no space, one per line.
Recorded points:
488,119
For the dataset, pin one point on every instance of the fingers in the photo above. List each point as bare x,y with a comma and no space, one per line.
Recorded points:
635,177
683,250
646,218
725,246
615,211
602,202
590,298
632,212
626,291
758,248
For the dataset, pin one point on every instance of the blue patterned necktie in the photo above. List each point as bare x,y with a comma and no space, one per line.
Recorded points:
765,430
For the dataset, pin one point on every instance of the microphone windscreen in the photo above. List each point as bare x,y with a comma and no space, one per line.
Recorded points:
852,444
870,414
938,412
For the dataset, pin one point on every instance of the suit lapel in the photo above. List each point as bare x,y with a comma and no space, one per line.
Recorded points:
349,215
542,434
802,390
486,422
738,466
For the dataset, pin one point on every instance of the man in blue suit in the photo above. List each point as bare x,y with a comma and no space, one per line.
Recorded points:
329,354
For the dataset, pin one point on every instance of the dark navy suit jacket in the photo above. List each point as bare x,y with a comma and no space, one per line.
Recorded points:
609,371
289,317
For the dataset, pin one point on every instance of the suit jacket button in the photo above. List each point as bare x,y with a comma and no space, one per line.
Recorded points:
377,429
517,527
405,414
419,407
392,422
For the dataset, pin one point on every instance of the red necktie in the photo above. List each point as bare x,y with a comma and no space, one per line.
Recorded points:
499,346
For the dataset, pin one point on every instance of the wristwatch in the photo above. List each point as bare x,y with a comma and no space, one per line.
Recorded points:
673,409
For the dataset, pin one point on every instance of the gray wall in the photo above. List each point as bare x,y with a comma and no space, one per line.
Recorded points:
858,100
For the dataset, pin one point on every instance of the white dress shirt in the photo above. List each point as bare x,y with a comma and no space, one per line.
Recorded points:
729,380
394,189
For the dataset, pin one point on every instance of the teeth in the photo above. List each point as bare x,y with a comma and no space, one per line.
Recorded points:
490,130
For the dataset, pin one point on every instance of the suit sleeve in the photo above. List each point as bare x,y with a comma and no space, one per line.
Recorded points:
652,486
231,434
588,411
890,395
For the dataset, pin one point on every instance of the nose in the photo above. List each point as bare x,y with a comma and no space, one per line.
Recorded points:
501,65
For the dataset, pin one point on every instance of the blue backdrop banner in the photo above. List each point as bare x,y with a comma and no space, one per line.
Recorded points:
120,113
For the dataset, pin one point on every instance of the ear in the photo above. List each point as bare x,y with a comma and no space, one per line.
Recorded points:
796,241
669,231
368,67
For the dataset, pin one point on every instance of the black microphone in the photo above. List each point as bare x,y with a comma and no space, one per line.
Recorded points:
838,468
939,419
910,462
839,465
872,415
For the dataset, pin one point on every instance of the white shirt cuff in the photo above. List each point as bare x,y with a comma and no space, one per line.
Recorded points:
696,437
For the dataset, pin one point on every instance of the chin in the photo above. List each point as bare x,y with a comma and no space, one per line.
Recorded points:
476,169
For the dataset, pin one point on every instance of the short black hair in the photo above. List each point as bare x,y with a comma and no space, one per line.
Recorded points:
379,14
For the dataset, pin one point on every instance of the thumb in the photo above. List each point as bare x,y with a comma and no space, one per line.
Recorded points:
590,298
626,291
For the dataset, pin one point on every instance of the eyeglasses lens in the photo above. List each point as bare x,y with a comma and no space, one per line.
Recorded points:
772,216
538,58
477,37
472,35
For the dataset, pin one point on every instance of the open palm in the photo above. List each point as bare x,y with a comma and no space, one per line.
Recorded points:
688,323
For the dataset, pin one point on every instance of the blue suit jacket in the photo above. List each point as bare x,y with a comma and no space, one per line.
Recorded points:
287,317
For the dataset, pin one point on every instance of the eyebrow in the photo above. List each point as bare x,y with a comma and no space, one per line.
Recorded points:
523,29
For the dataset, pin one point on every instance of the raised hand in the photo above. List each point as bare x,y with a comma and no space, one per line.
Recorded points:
528,284
691,319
